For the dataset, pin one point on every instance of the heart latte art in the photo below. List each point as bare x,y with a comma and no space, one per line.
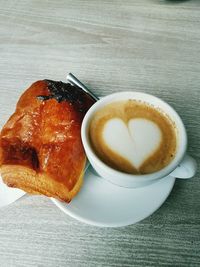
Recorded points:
133,137
135,141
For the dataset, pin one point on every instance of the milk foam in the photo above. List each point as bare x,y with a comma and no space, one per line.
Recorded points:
135,141
133,137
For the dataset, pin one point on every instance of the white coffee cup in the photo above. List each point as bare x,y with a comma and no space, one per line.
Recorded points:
182,166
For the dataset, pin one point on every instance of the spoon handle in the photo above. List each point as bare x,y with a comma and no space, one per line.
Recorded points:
74,81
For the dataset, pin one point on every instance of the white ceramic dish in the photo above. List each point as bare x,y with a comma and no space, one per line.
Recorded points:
103,204
8,195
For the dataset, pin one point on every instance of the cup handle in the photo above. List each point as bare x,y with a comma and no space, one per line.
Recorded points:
186,168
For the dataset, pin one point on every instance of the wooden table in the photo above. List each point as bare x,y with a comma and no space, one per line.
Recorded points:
145,45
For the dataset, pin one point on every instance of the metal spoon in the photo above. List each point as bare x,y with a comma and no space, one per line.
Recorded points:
74,81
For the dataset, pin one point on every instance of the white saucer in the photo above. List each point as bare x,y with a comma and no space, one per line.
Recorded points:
103,204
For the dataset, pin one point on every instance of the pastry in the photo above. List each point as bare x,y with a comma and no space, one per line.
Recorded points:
40,145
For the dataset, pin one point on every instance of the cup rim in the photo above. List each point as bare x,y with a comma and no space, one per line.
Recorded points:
113,97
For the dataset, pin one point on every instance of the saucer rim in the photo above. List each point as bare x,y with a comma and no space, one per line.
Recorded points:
62,206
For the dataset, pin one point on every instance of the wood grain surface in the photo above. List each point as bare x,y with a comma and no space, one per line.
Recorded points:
145,45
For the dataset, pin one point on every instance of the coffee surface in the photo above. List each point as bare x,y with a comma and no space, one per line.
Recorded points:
133,137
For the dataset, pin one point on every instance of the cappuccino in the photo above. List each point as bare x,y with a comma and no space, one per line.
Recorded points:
133,137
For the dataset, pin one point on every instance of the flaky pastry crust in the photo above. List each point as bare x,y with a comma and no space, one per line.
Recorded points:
40,146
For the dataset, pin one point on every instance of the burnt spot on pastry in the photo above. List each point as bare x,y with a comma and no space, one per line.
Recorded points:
66,92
